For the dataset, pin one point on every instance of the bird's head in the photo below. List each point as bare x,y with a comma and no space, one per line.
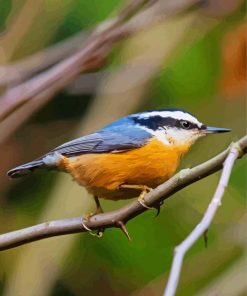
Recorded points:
174,126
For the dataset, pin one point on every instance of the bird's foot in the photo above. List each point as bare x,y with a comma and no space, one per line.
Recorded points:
141,198
99,233
144,189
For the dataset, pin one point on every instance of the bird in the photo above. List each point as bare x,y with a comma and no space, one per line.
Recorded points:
128,157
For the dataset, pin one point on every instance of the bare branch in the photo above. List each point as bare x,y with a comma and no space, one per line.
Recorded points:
202,227
92,53
21,70
121,216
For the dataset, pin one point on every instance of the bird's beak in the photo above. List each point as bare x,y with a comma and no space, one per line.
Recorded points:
215,130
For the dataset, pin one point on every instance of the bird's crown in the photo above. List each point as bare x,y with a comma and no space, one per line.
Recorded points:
167,118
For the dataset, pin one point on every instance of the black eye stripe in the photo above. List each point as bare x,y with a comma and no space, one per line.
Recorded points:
156,122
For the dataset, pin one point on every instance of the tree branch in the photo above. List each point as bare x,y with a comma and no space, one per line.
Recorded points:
123,215
19,71
202,227
92,53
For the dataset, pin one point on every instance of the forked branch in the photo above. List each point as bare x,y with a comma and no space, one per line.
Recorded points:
120,217
202,227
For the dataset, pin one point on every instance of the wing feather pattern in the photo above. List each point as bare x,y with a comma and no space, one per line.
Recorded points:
99,143
118,137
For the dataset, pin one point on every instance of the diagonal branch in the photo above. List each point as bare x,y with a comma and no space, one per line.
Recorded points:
204,224
92,52
19,71
124,214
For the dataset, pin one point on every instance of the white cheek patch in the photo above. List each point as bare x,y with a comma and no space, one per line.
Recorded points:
173,136
52,160
159,134
181,136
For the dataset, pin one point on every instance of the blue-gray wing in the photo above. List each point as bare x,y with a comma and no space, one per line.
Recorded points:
119,136
103,141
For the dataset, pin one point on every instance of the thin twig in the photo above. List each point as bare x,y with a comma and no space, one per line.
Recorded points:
124,214
204,224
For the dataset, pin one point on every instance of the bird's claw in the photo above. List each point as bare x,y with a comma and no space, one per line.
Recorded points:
99,232
158,208
141,198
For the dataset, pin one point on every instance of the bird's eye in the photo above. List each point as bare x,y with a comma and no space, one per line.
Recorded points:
185,124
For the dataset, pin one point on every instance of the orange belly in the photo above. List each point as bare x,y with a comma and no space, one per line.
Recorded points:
102,174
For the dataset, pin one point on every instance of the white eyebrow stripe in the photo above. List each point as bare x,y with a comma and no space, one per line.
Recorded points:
173,114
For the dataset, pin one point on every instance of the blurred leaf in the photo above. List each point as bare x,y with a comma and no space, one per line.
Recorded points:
85,14
5,8
191,76
234,70
239,177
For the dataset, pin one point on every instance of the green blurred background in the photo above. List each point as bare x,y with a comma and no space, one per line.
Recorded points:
195,61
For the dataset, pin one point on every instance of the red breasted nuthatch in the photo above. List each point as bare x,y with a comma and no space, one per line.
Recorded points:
128,157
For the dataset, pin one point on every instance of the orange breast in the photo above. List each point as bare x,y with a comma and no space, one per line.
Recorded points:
102,174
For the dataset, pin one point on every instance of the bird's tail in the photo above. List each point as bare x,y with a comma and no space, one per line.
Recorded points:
25,169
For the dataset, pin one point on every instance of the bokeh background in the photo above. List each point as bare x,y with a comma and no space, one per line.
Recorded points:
195,60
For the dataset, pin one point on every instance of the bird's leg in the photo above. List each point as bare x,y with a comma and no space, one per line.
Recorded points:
144,189
99,209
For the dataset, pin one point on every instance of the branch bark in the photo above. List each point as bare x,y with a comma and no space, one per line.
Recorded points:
202,227
123,215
